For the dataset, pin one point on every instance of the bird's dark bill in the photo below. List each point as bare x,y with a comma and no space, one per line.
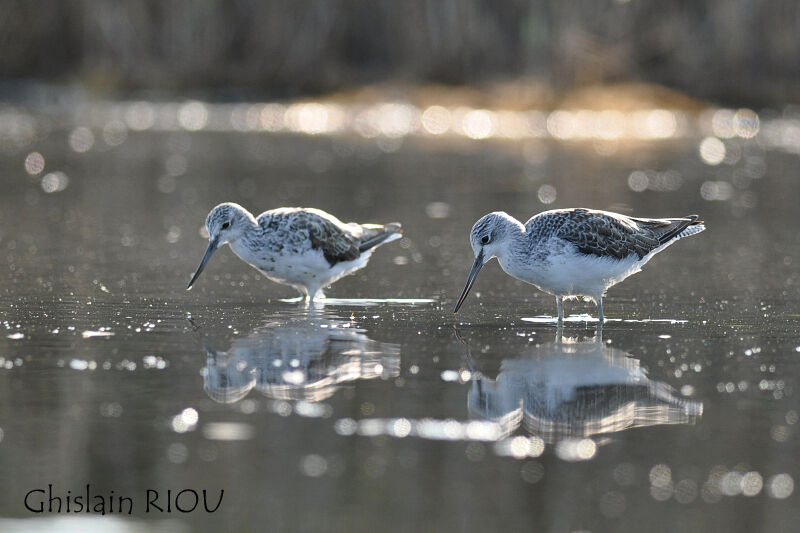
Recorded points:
212,245
470,280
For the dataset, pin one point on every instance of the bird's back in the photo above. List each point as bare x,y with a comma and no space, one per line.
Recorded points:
304,228
606,234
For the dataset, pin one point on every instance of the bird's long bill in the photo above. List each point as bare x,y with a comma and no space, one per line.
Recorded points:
212,245
470,280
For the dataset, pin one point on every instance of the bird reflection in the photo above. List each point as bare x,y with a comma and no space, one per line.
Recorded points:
570,390
299,358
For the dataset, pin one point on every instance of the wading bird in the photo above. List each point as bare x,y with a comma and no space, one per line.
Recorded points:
306,248
573,252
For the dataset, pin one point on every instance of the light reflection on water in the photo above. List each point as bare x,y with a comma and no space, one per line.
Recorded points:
732,140
573,390
398,119
303,358
585,318
360,302
105,524
565,393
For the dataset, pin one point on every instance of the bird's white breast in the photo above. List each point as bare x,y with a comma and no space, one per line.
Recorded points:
560,269
306,267
284,267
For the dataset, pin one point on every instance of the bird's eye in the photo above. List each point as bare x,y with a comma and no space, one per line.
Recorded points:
485,239
225,225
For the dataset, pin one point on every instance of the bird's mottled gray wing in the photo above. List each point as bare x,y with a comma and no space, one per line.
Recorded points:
337,244
604,234
310,228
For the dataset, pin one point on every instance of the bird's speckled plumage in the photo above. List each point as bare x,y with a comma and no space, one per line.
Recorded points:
298,228
303,247
573,252
607,234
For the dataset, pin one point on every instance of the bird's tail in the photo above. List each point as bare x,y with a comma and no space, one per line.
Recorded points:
682,227
375,235
669,229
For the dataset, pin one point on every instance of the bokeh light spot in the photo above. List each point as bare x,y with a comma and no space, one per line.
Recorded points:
780,486
746,123
479,124
437,210
638,181
193,116
436,120
54,182
34,163
115,133
140,116
546,194
81,139
576,449
314,465
719,191
712,151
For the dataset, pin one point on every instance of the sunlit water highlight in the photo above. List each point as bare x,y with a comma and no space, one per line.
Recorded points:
98,524
586,318
398,119
360,302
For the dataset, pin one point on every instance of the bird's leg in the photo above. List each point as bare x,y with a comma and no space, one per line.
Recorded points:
600,318
305,295
312,293
560,307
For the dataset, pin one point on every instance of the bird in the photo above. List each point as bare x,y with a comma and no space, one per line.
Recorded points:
305,248
575,252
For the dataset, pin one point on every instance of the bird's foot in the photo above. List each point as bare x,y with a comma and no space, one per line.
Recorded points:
318,296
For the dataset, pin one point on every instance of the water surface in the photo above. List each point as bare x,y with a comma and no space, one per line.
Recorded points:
381,411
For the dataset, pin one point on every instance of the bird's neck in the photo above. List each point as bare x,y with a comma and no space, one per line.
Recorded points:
516,242
519,257
250,220
241,244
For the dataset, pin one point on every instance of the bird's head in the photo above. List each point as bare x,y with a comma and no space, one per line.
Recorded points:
489,234
225,223
488,239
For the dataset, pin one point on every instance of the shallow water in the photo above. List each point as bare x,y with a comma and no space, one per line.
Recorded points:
380,410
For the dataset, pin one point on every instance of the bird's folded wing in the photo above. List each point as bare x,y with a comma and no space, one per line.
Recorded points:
610,236
337,245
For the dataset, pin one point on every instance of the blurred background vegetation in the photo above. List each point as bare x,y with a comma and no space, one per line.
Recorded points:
735,52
